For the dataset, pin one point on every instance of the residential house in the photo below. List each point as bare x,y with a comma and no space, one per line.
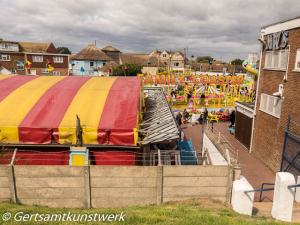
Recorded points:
40,55
150,63
177,61
112,52
87,61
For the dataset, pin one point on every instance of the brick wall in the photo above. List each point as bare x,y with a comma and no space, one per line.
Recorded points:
13,56
269,131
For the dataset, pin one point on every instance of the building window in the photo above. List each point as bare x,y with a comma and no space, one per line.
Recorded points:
176,64
297,64
37,58
20,67
91,63
164,55
45,70
58,59
4,57
176,56
276,60
270,104
5,45
104,63
56,73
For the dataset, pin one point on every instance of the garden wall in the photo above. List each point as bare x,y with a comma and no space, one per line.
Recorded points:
112,186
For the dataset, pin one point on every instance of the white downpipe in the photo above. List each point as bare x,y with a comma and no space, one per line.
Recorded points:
287,64
254,115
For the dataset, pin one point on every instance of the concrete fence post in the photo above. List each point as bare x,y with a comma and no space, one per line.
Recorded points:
283,199
12,183
159,185
297,195
87,186
242,202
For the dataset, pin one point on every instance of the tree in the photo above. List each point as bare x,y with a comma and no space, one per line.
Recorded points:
63,50
132,69
237,62
204,59
1,39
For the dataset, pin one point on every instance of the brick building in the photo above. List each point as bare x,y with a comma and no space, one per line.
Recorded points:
37,53
278,91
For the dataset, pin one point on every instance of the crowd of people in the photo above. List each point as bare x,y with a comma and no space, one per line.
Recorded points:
185,116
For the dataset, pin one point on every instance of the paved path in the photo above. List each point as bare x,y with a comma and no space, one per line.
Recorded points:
253,169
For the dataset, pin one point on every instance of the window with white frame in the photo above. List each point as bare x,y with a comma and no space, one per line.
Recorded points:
297,64
5,45
92,64
4,57
56,73
20,67
176,64
45,70
176,56
276,60
58,59
37,58
164,55
270,104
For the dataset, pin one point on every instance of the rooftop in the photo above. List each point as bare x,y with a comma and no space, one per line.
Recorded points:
91,52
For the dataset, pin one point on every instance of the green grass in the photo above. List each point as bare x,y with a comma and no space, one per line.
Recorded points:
195,211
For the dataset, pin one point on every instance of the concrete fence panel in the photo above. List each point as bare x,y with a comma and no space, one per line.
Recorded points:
117,186
184,182
4,184
53,186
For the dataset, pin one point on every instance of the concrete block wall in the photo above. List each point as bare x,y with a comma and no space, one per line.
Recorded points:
53,186
118,186
184,182
4,184
112,186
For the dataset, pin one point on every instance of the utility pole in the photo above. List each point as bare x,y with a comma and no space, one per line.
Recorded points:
158,62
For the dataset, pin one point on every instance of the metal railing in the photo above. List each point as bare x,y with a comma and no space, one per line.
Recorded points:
269,189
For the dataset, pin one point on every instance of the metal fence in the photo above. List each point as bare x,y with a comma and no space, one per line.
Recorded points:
225,144
290,161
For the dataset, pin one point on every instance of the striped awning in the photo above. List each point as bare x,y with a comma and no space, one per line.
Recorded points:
43,109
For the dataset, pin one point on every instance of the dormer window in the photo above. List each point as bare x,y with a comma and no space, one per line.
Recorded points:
164,55
176,56
5,45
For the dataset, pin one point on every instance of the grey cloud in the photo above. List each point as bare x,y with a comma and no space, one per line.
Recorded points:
223,29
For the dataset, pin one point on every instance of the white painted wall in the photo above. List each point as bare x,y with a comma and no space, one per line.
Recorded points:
215,155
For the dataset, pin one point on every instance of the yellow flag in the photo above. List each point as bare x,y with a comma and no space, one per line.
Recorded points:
50,67
29,63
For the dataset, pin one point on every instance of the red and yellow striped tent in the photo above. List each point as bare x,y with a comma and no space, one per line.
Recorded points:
43,109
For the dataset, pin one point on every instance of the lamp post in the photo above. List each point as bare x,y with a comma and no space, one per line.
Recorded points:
125,69
170,57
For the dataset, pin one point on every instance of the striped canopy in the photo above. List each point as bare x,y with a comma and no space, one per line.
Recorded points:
43,109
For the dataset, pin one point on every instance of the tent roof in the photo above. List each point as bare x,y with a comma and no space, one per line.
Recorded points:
43,109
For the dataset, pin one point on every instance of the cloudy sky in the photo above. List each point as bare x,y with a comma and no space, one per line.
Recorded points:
222,29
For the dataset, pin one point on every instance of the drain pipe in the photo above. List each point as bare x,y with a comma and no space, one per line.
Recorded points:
254,114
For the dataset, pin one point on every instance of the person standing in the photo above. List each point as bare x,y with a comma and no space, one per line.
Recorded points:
202,99
178,118
205,115
232,118
185,115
